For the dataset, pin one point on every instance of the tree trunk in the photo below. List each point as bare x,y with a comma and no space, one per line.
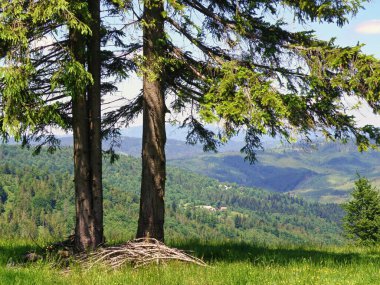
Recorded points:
152,207
84,226
94,99
87,140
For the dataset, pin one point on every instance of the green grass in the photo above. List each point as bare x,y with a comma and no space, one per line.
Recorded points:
230,263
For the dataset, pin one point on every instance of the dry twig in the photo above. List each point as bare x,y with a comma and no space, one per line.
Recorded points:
138,252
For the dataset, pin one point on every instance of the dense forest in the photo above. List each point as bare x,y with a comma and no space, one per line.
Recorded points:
37,194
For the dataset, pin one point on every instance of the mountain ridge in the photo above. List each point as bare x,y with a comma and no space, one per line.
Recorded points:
37,200
323,172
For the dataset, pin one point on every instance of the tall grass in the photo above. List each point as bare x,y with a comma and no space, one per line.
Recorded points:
230,263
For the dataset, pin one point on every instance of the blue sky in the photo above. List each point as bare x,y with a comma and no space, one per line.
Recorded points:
363,28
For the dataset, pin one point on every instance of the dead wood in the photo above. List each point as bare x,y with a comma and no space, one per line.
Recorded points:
138,252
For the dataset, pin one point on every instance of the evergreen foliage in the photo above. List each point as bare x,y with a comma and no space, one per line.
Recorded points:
254,74
60,84
230,64
237,63
39,73
362,222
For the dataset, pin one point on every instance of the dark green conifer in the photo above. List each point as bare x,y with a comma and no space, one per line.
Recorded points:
237,64
362,220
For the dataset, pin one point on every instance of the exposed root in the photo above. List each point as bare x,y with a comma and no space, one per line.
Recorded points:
138,252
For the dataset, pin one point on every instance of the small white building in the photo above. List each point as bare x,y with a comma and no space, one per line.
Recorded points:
206,207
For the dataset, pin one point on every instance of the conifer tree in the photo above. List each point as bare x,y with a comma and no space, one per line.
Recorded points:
362,220
152,207
59,84
235,63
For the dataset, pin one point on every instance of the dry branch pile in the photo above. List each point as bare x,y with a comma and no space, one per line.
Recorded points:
138,252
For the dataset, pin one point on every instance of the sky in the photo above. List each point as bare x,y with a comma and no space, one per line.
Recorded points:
364,28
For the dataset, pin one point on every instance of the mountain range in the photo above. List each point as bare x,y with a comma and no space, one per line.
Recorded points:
322,171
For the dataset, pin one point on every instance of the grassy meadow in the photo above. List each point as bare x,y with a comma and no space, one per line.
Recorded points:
229,263
36,203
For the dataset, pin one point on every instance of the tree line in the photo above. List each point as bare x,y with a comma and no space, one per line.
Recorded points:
37,202
229,62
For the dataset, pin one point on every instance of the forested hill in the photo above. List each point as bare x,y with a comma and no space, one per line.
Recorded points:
37,200
325,172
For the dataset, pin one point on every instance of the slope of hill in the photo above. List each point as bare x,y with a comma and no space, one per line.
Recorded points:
36,200
175,149
324,173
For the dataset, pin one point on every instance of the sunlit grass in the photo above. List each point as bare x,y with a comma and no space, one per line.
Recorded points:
229,263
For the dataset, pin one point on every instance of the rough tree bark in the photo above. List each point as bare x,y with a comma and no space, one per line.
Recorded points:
94,99
82,169
152,207
86,111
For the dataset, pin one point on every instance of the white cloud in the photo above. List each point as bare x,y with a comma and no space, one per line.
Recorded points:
371,27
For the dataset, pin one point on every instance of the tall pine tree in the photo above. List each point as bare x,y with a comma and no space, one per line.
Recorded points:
235,63
152,207
59,84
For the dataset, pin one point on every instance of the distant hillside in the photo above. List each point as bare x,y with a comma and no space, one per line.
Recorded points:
132,146
36,200
324,173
